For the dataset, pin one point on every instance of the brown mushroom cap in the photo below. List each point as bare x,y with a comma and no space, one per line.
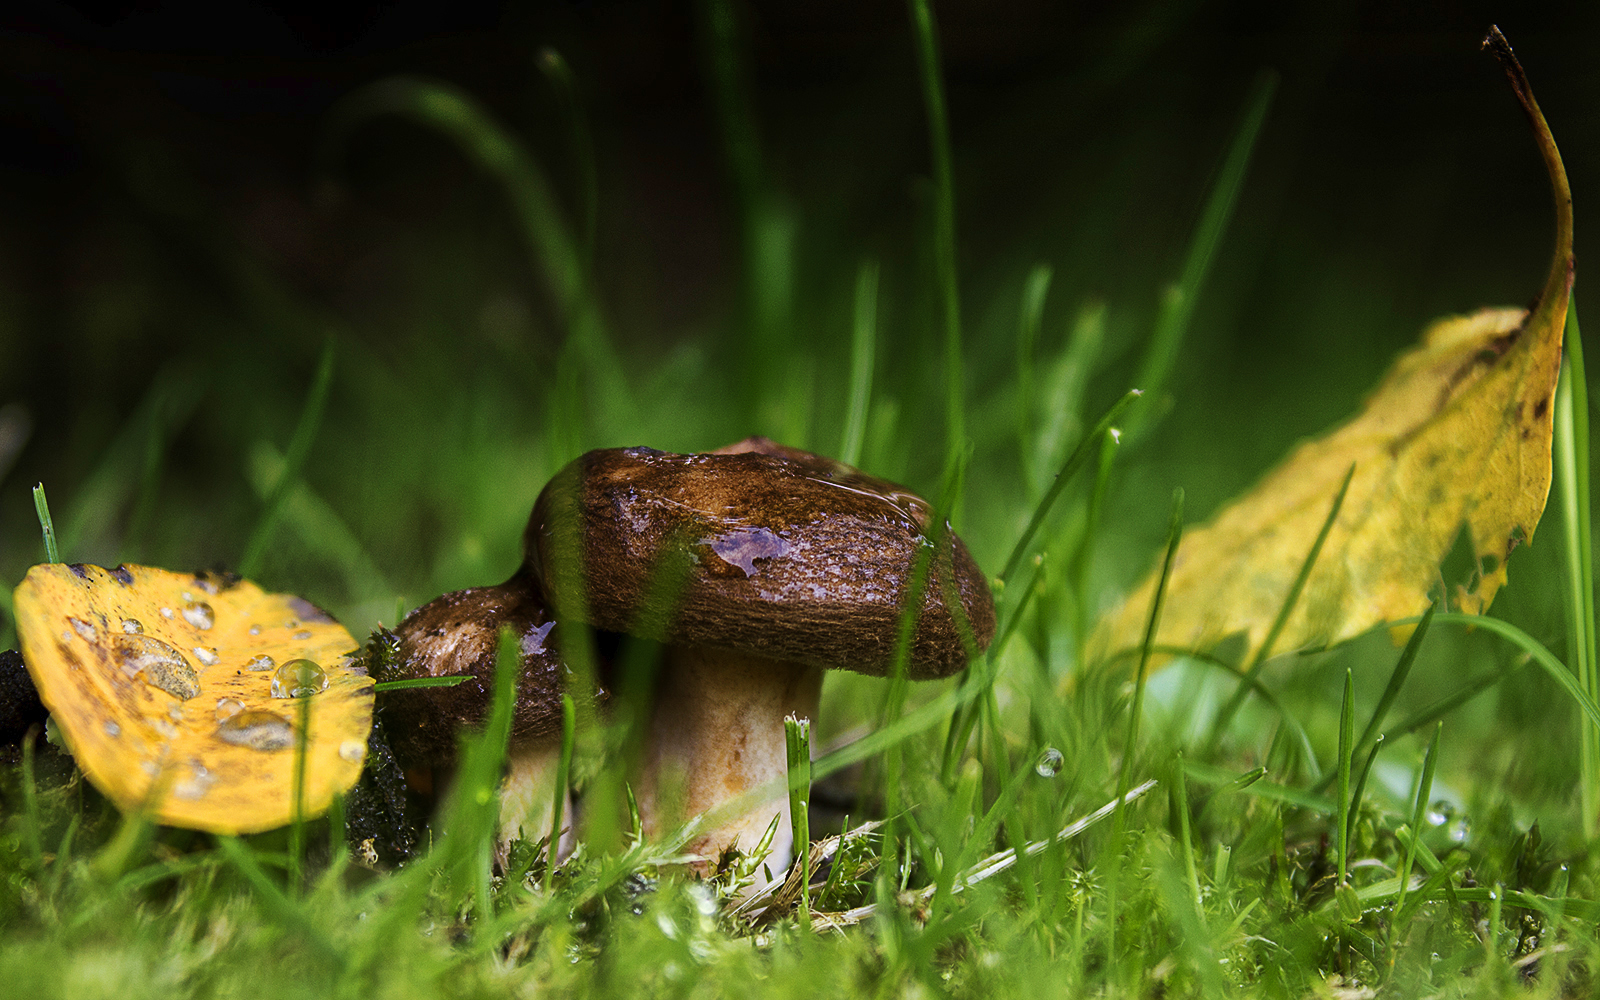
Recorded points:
458,634
795,557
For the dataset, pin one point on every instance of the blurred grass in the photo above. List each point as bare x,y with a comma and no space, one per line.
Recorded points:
492,348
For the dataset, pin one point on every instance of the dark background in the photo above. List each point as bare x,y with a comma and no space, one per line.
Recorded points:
160,201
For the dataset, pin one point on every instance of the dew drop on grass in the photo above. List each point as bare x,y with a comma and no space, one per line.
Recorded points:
299,678
227,708
132,626
200,615
206,656
84,629
262,662
162,666
1440,812
1049,763
257,730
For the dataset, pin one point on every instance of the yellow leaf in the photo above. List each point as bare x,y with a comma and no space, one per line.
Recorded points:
1456,435
174,692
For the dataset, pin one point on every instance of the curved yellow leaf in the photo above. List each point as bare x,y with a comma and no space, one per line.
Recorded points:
1457,435
175,692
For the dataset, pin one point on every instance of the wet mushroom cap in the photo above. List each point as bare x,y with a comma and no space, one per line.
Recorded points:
456,635
793,556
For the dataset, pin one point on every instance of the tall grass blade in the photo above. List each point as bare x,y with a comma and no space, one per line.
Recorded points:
305,433
1034,292
569,729
1177,307
1553,668
1080,454
1083,557
1391,691
1420,803
559,75
1219,725
1572,478
41,506
797,744
1174,536
944,249
1347,739
863,350
1360,788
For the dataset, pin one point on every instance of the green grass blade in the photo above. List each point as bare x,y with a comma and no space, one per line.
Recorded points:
1174,536
927,47
1572,480
1177,307
1424,792
863,349
46,526
1546,660
305,433
1083,556
1080,454
277,905
1219,725
1034,292
1347,740
1397,680
1360,788
559,75
421,682
569,730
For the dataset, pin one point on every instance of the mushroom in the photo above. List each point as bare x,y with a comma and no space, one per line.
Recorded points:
458,635
797,563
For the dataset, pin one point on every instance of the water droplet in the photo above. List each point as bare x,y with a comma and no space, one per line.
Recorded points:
165,728
255,630
200,615
111,728
166,612
302,635
196,784
206,656
353,751
227,708
262,662
257,730
161,665
84,629
1459,829
1049,763
132,626
1440,812
299,678
292,623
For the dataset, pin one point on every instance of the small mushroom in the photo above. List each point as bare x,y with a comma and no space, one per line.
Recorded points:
458,635
797,563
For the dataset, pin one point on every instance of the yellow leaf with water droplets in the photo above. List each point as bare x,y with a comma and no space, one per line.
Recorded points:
180,695
1455,437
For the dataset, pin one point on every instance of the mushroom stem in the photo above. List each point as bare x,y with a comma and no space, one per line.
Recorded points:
715,733
527,797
